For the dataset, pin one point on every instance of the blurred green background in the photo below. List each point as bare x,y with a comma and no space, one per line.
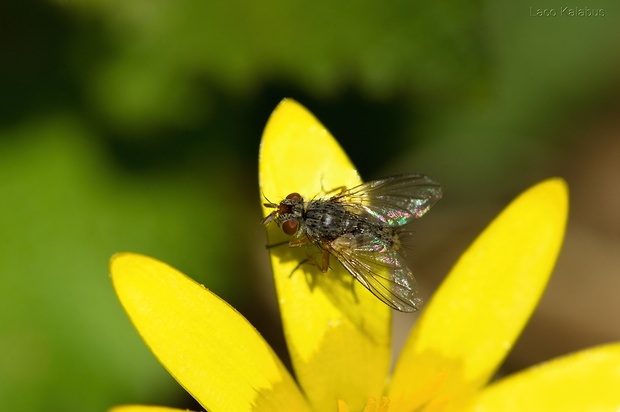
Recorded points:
134,126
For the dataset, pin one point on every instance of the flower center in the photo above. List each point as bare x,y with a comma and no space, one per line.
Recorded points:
371,405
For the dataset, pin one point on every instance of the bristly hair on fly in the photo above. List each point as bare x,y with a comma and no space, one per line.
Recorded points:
362,228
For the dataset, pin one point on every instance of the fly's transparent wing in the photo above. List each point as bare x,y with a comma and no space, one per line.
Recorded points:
394,200
381,269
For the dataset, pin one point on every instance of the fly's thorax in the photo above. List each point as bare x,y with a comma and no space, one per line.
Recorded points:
325,220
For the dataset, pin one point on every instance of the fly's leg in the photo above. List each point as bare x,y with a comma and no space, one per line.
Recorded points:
325,261
301,242
353,291
310,260
284,242
292,243
303,262
338,189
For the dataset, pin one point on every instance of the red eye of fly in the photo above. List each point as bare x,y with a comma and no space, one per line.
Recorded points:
290,226
294,196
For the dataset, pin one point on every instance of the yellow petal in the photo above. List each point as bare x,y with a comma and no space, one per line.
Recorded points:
207,346
476,315
583,381
144,408
338,334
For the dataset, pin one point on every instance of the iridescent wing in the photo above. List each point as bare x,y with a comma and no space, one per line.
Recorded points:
381,269
394,200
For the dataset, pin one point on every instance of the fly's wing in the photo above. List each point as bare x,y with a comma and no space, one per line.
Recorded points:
381,269
394,200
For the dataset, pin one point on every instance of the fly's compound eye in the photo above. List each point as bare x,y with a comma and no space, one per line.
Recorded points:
290,226
294,196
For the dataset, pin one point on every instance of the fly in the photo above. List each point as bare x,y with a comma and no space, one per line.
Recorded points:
360,227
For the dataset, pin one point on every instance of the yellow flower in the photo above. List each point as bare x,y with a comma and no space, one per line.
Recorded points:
338,334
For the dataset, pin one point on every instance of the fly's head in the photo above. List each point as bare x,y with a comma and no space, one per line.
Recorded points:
288,214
